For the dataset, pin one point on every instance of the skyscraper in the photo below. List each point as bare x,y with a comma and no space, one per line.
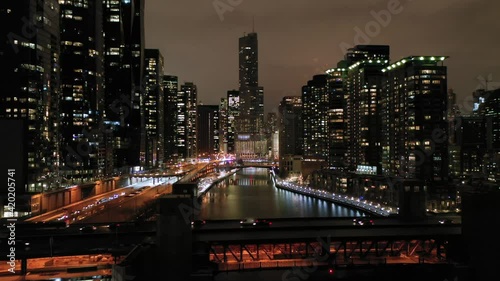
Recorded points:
82,83
170,88
315,106
233,112
364,84
154,107
30,82
208,130
133,20
223,125
290,128
414,123
251,118
187,100
337,127
491,111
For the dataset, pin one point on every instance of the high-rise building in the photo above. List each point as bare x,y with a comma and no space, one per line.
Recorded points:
208,130
290,128
119,84
491,111
251,118
170,88
337,115
82,88
134,60
123,27
181,124
154,102
188,104
272,135
30,60
233,112
414,123
366,53
470,144
452,112
223,125
315,106
363,85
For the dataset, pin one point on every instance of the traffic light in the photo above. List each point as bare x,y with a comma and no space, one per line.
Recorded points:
331,271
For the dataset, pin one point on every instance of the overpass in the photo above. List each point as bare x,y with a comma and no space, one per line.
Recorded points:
230,232
287,241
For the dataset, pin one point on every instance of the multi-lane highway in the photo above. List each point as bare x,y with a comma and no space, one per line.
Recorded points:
85,209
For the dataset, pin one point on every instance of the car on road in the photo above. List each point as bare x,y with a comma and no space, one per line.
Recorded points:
363,221
88,229
198,223
446,221
255,222
113,225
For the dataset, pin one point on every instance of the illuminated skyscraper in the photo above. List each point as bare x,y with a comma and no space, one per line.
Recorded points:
315,106
187,99
251,118
414,123
30,62
363,85
337,117
233,112
170,88
154,107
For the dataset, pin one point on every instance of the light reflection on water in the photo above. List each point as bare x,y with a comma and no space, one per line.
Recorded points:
251,193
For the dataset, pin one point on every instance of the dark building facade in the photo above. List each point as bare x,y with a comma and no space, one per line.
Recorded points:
124,86
208,130
154,103
82,89
290,126
170,88
134,58
470,143
30,81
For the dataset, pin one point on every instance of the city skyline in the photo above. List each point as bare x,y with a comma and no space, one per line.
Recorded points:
286,62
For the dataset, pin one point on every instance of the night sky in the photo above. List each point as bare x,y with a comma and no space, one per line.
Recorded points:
301,38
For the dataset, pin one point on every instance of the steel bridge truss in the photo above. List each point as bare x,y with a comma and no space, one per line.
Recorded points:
324,249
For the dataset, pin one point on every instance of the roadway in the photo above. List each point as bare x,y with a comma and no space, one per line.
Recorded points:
85,208
126,207
301,233
325,222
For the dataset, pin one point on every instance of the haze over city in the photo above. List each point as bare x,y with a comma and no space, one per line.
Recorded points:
298,39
